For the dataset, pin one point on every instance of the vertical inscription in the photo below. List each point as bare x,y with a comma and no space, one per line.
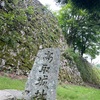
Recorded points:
40,95
45,69
48,56
42,80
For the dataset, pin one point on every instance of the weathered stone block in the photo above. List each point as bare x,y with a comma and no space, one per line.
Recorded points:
42,81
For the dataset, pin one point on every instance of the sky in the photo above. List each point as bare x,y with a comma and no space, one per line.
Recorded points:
97,60
94,61
55,7
51,3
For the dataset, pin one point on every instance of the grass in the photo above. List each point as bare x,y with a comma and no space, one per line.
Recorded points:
64,92
8,83
73,92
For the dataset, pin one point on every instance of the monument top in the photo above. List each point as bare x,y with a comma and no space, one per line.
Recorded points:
42,80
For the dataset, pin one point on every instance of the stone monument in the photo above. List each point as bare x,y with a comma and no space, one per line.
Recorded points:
42,80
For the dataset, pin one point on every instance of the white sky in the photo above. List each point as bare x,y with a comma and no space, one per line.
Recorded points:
53,6
52,3
94,61
97,60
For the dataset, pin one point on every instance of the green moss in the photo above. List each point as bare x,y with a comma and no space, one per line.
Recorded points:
26,29
88,72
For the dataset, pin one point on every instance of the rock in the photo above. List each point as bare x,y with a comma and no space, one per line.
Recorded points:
42,80
69,71
4,95
42,30
16,93
11,95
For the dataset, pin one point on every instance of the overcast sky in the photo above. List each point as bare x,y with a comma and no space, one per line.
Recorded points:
52,3
53,6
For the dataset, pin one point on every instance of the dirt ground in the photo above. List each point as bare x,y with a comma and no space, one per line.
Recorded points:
13,75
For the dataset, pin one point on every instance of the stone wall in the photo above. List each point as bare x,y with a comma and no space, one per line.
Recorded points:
40,30
68,71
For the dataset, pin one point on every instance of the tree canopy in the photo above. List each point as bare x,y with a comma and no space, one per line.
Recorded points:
90,5
81,29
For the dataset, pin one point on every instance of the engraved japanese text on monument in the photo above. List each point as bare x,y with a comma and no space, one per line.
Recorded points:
42,81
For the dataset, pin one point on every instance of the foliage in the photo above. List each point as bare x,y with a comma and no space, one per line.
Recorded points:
93,5
88,72
80,29
90,5
71,53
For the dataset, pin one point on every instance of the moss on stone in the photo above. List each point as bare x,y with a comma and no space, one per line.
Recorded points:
28,25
